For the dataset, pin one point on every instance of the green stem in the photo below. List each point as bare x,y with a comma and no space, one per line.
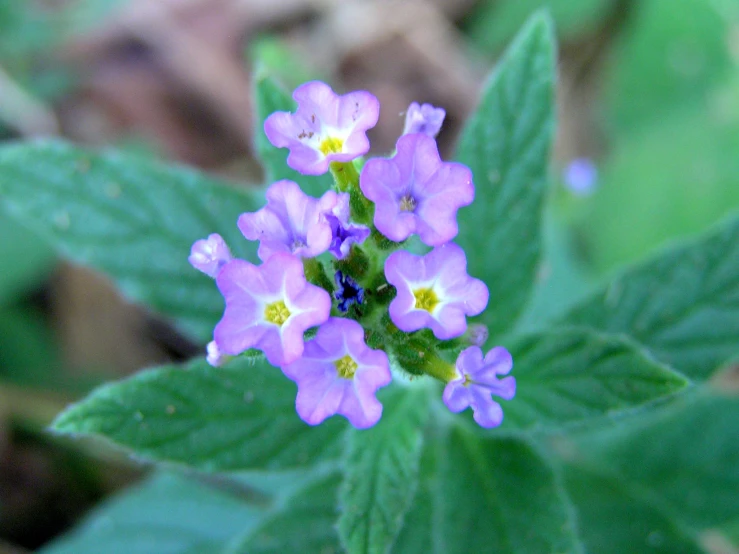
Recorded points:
345,175
438,368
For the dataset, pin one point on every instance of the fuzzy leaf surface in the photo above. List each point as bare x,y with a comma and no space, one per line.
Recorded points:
685,458
133,219
577,375
382,472
490,490
417,536
166,514
506,143
240,416
683,306
614,518
478,494
306,523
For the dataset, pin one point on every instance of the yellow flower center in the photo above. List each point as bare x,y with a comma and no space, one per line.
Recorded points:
346,367
407,203
426,299
276,313
331,145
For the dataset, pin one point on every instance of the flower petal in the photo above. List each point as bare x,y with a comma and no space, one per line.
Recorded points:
487,412
456,396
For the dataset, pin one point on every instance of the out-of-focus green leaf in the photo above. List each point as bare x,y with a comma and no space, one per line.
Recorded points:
28,32
480,493
493,23
683,306
25,29
381,472
506,144
685,458
28,352
305,524
498,493
731,531
671,54
418,536
561,280
131,218
614,518
26,259
571,376
241,416
674,178
82,16
273,56
672,100
167,514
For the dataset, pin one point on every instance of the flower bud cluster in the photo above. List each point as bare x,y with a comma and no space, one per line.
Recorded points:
344,292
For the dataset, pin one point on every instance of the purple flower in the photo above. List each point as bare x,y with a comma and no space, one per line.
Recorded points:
215,357
339,374
343,233
478,380
477,334
269,307
326,127
415,192
581,176
423,118
291,222
434,291
210,255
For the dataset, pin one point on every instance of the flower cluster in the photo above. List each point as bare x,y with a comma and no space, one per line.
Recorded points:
338,298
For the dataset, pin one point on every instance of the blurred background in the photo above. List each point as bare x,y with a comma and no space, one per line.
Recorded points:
646,152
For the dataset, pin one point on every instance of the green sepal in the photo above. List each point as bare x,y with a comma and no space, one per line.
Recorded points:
346,179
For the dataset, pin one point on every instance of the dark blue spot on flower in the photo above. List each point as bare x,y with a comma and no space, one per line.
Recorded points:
348,292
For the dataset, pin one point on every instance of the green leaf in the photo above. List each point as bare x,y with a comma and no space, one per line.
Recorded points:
133,219
417,535
669,56
32,259
478,494
305,524
685,458
576,375
506,144
614,518
673,179
382,472
683,306
732,532
241,416
277,57
29,355
498,493
270,97
492,24
563,280
25,32
167,514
